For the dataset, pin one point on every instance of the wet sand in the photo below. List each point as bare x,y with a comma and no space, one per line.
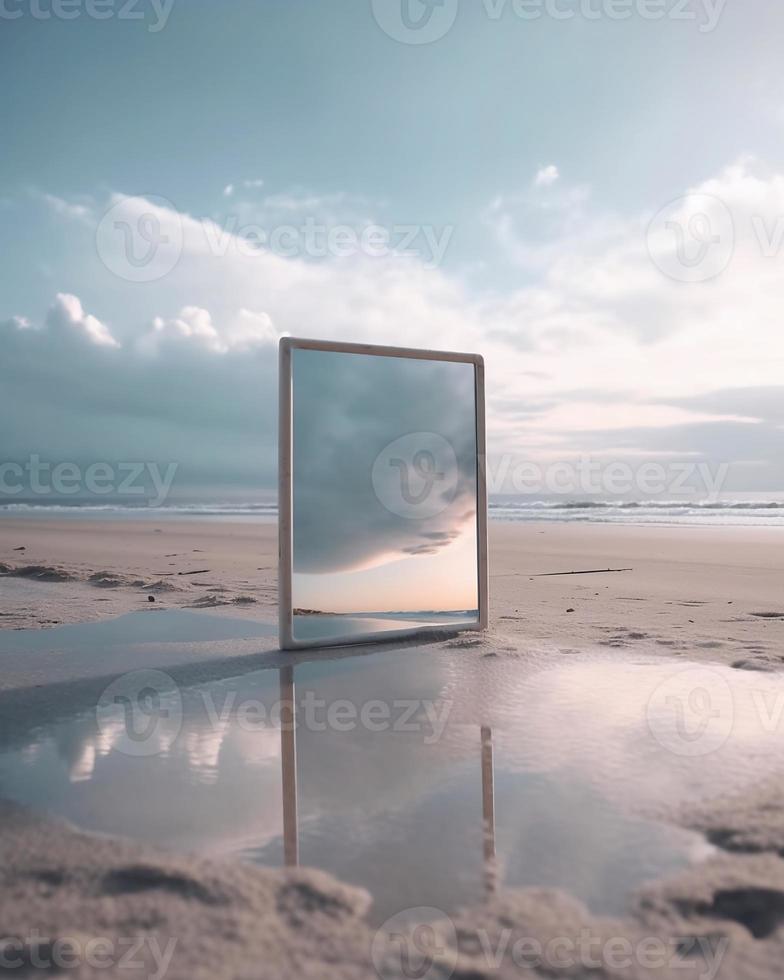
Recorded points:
712,593
704,595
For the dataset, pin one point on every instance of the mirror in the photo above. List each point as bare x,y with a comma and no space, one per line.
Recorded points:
382,498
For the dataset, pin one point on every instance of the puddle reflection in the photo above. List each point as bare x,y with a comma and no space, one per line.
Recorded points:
428,779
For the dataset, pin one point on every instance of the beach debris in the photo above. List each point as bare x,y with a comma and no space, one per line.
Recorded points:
160,586
208,602
106,580
150,598
43,573
761,665
21,548
198,571
570,610
590,571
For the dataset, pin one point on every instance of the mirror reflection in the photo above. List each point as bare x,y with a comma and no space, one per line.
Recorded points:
288,769
384,487
495,780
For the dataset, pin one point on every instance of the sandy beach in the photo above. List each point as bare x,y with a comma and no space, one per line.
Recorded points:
581,616
392,490
714,593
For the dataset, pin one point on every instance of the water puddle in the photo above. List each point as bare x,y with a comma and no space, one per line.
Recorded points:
154,626
430,776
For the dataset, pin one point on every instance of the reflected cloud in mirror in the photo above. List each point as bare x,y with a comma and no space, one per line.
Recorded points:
384,488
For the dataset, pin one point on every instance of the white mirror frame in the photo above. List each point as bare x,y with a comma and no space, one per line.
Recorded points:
286,494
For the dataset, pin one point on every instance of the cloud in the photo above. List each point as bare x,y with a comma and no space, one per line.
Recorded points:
67,314
765,404
602,311
245,330
68,209
590,337
252,184
546,176
748,452
347,410
179,390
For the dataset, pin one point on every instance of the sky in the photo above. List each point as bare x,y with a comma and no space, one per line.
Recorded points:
590,193
384,483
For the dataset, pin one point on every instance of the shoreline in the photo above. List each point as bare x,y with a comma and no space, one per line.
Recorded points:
686,596
706,592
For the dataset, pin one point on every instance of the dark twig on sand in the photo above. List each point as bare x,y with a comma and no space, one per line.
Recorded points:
590,571
199,571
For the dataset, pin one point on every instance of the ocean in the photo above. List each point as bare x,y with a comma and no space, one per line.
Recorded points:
752,510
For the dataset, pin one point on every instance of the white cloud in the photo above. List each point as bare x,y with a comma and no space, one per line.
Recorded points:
179,390
251,184
592,312
68,209
67,313
244,330
546,176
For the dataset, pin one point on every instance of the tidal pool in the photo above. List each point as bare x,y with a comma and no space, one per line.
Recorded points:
428,774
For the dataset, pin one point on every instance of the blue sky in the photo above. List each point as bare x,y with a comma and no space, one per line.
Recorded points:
534,153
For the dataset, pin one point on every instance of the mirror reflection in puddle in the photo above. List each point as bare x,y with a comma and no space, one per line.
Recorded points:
427,777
